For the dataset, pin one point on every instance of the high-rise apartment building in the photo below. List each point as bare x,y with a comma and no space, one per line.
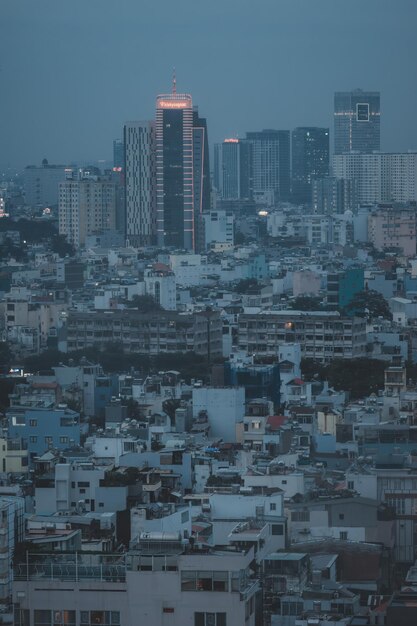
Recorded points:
380,176
174,170
331,195
271,164
86,205
140,182
356,121
310,160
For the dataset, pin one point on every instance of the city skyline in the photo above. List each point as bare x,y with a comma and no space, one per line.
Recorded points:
113,81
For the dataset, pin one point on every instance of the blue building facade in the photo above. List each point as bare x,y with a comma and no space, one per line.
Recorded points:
44,428
105,387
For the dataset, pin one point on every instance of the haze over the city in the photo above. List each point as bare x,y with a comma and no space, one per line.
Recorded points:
72,73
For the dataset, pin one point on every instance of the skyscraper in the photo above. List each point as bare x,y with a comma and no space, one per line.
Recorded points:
118,153
356,121
201,177
271,164
310,160
236,169
140,193
174,170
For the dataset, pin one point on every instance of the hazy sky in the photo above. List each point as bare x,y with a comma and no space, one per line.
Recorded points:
72,72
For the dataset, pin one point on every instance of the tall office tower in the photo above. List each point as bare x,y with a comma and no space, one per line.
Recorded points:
201,177
236,164
310,160
174,170
332,195
118,153
270,164
140,192
356,121
87,204
217,167
117,176
230,169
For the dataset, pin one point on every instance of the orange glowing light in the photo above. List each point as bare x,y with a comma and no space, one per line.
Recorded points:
173,104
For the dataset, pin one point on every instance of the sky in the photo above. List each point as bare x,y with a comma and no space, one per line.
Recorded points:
71,73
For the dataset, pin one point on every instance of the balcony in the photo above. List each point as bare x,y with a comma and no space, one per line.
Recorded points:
72,567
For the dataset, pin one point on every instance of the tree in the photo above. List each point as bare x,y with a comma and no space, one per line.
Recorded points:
360,377
240,239
306,303
60,245
368,304
244,285
144,304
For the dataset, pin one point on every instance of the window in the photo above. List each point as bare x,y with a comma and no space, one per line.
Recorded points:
53,618
204,581
277,529
21,617
107,618
83,484
343,535
48,439
33,423
292,608
341,516
63,440
300,516
272,506
351,485
209,619
33,439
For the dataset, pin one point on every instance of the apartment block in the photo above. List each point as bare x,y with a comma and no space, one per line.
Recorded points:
322,336
155,333
161,583
380,176
392,227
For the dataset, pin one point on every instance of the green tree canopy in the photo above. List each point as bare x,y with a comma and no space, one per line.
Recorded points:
144,304
306,303
244,285
360,377
369,304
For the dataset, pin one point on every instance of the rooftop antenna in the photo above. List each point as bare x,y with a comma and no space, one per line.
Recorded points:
174,82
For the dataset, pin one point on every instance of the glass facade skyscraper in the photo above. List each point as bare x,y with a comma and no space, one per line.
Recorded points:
356,121
310,160
201,177
174,171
